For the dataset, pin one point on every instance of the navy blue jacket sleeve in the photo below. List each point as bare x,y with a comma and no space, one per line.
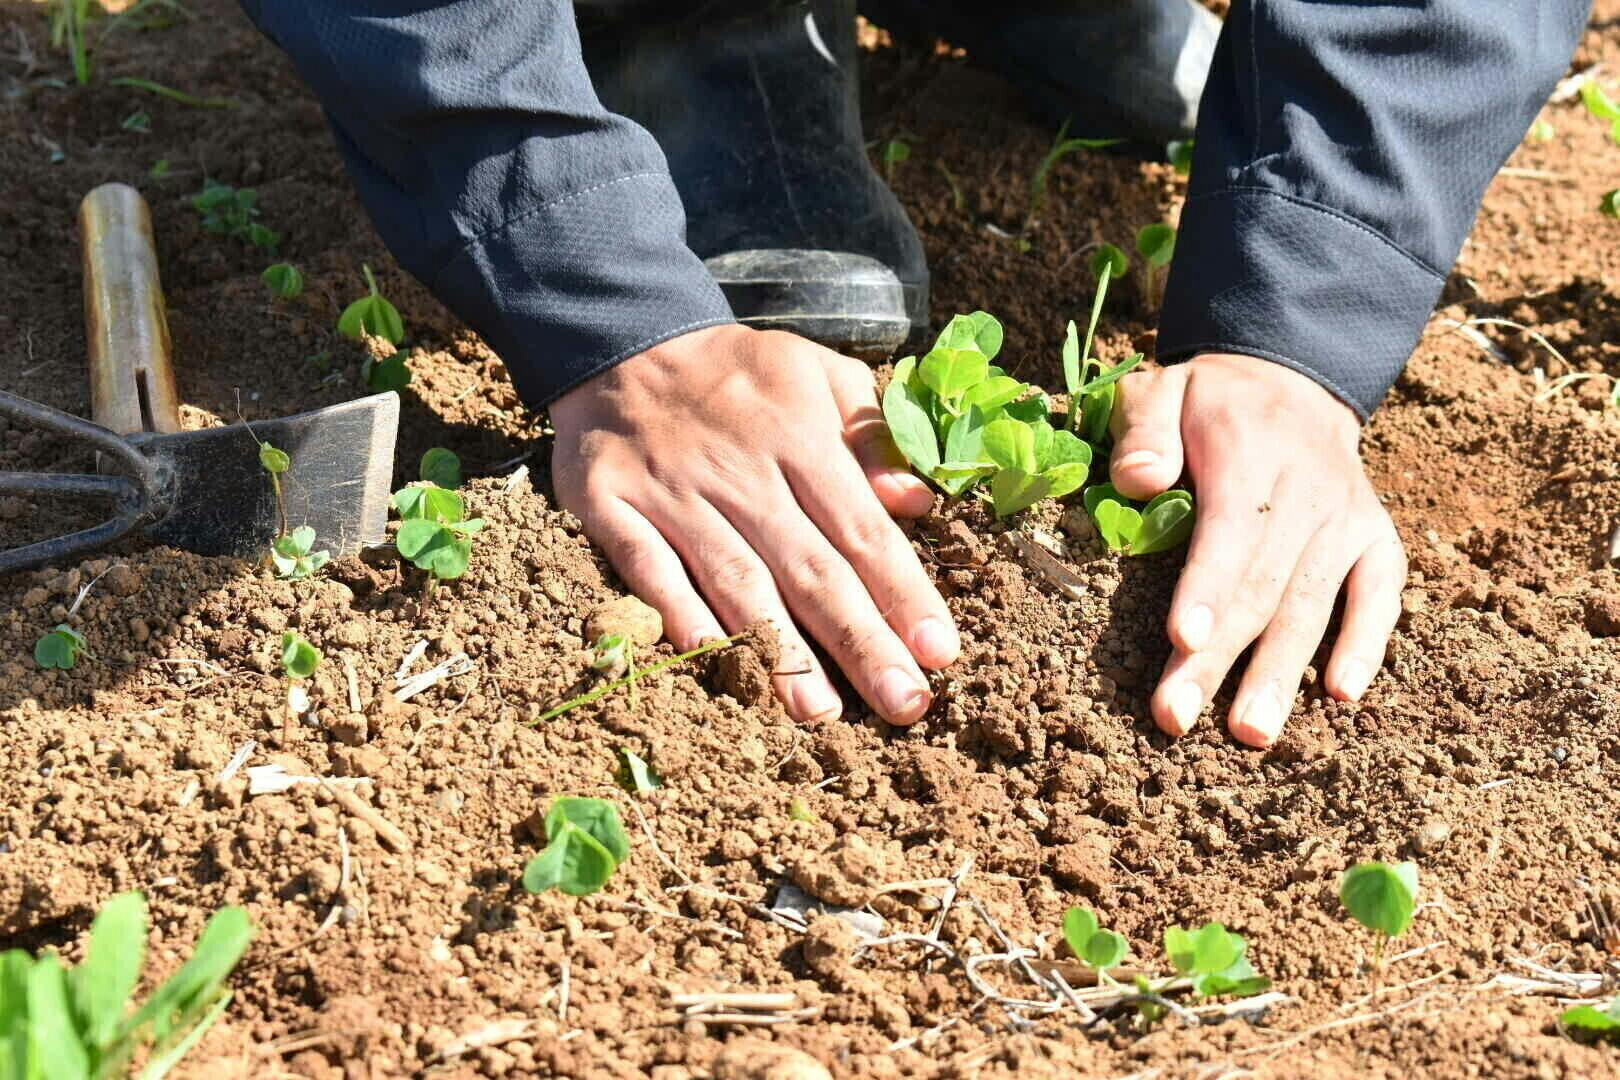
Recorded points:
470,127
1342,151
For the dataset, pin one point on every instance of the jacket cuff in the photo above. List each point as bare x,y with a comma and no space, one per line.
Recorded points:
564,290
1288,280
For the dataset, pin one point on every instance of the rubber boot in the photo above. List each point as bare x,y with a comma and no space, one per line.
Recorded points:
756,107
1131,69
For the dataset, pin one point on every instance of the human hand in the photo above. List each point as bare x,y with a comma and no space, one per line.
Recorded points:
734,475
1286,516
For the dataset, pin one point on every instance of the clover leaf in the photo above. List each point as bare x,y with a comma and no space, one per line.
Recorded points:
292,557
298,657
586,843
441,467
1093,946
284,279
60,648
389,373
1213,957
1599,1022
1162,524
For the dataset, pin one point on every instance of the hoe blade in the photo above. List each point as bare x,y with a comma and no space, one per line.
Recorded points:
221,501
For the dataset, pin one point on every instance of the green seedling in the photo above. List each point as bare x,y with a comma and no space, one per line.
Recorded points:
299,658
284,279
1093,946
1215,959
1061,147
612,655
799,810
179,97
441,467
958,197
1091,383
139,121
292,558
636,775
69,20
630,678
1601,106
1164,523
390,373
276,463
1541,131
585,844
1600,1022
228,211
896,152
1156,244
1381,897
1180,155
371,315
78,1023
1109,259
59,648
160,169
435,533
1609,205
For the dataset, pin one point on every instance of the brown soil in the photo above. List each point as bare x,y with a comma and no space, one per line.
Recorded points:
1489,750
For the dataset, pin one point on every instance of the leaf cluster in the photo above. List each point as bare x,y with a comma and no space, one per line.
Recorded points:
1093,946
1215,960
1603,107
299,658
59,648
1594,1021
585,844
76,1023
435,534
372,316
1135,529
292,558
285,280
229,211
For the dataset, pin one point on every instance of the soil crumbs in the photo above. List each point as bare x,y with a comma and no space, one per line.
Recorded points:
1489,749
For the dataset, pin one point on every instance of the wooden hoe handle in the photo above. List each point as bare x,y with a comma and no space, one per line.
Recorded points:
131,379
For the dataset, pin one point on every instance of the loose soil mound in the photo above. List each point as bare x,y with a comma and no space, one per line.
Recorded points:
1489,749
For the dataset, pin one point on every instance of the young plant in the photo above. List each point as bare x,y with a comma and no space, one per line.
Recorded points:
1382,898
1061,147
1180,155
69,20
1093,946
440,467
1091,397
139,121
896,152
1600,1022
636,775
299,658
1156,244
1132,529
59,648
372,315
585,844
276,463
1215,959
390,373
292,558
435,533
57,1021
228,211
632,676
1601,106
284,279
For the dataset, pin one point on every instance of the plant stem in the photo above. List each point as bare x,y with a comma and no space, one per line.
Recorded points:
371,282
281,504
635,673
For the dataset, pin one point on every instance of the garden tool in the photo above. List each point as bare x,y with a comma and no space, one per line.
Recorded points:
206,490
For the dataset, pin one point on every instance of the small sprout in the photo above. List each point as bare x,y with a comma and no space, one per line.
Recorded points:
138,121
390,373
1180,154
299,658
1156,243
799,810
1061,147
1093,946
441,467
291,555
1111,258
611,655
1599,105
1382,898
276,463
586,843
1214,959
60,648
160,169
1609,205
371,315
1594,1021
229,211
1541,131
958,197
636,774
1162,524
284,279
436,534
896,152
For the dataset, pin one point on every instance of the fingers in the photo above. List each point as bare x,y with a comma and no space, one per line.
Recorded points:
738,584
1371,607
1229,533
1146,423
646,562
900,491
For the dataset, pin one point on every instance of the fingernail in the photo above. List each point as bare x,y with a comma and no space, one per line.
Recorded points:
936,642
1262,720
901,696
1354,678
1138,459
815,699
1186,701
1196,626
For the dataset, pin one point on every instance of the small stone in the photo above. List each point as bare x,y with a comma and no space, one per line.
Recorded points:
742,674
35,597
350,729
1603,615
737,846
642,625
756,1059
139,630
122,580
432,873
1431,836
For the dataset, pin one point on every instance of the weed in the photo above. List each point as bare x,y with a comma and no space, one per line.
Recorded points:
1595,1021
1601,106
139,121
441,467
371,315
390,373
228,211
630,678
57,1021
1096,394
69,20
179,97
896,152
59,648
958,197
1093,946
1112,258
1061,147
292,558
299,658
636,775
1162,524
435,533
799,810
585,844
160,169
1540,132
1156,244
284,280
1382,898
1609,205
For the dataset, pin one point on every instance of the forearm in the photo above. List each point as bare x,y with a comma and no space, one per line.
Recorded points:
1342,152
493,173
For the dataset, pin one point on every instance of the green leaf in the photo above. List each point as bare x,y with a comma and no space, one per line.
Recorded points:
274,461
950,372
112,966
1156,243
1096,409
1010,444
1106,949
1167,521
435,547
1097,494
1381,897
1109,259
965,442
955,477
1078,926
429,502
188,993
1041,432
1067,448
60,648
636,774
53,1041
1071,360
1597,102
284,280
907,416
598,817
372,315
1118,524
573,862
441,467
1061,480
1012,490
987,333
1180,154
1033,408
1603,1023
297,542
1610,204
390,373
992,394
1112,375
298,657
1209,950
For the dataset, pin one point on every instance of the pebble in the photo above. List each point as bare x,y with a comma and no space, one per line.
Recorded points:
756,1059
641,624
1431,836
